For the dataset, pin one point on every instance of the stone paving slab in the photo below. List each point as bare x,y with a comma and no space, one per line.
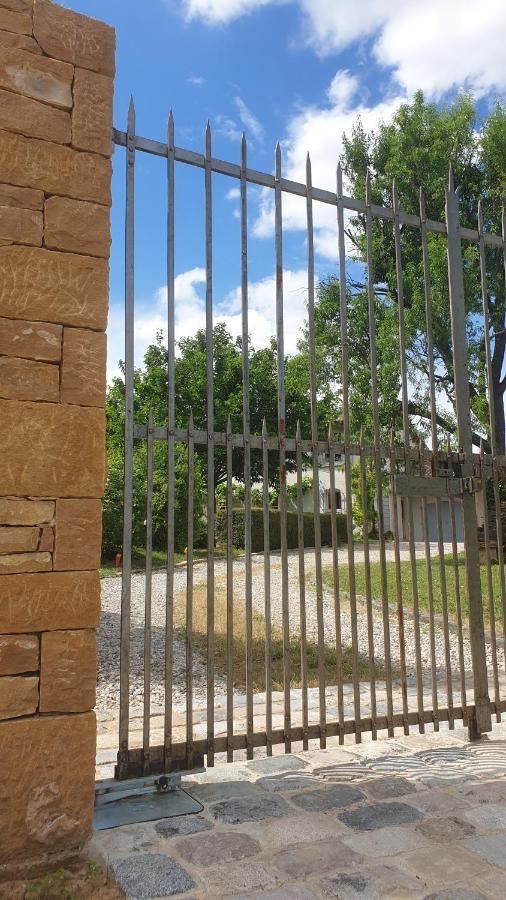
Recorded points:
340,822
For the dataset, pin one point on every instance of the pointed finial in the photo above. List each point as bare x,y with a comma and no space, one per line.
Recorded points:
339,177
264,428
308,168
297,432
190,420
451,186
392,438
208,138
480,218
422,205
395,195
361,435
368,188
243,150
170,130
131,115
150,418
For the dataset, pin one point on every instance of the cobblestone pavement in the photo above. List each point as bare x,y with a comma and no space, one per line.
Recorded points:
411,816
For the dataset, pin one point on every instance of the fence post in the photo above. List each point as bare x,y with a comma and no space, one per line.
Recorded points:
55,172
482,720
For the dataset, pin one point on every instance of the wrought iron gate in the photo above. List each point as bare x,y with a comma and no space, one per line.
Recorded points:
416,476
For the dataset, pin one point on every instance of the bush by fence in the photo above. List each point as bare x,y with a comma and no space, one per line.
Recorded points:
257,529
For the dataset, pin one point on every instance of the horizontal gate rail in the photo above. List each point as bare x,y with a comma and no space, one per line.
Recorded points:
299,189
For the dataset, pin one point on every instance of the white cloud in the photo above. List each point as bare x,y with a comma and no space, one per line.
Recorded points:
432,45
250,122
190,314
319,130
233,194
197,80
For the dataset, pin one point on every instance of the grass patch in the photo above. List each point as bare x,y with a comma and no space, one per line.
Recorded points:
109,570
422,581
258,648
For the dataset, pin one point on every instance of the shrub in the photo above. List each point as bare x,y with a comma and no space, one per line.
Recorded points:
257,529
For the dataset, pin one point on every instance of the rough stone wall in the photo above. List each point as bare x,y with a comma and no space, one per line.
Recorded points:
56,86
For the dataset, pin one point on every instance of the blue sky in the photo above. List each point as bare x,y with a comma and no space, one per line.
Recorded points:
297,70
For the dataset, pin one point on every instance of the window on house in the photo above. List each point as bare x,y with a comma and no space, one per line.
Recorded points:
339,501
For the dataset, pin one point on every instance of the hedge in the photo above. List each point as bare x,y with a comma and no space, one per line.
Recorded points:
257,529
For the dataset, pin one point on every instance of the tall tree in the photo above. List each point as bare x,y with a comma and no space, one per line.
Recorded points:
416,148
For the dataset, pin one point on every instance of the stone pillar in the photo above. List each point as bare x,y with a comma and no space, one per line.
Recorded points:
56,86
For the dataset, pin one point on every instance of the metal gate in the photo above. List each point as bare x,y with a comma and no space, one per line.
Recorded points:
410,474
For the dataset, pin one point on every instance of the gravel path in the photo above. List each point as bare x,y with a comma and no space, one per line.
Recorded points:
108,634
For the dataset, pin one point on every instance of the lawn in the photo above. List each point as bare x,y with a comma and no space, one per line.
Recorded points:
422,582
258,648
109,570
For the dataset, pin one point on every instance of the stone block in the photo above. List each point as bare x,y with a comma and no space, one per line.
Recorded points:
20,226
25,198
46,785
26,512
77,226
25,379
18,21
92,113
31,340
18,653
49,602
218,848
37,77
33,119
68,671
151,875
17,5
70,36
310,858
51,450
60,287
55,169
83,372
19,539
11,564
78,534
19,696
46,541
12,41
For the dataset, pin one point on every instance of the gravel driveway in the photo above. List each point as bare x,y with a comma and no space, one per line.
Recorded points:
108,633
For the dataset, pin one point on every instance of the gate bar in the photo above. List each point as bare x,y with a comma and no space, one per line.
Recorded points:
377,462
267,591
335,584
210,446
316,479
483,720
398,587
147,597
230,601
189,598
126,573
247,449
171,423
280,341
490,588
435,451
302,592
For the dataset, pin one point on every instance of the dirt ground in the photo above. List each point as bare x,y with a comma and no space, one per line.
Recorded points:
81,881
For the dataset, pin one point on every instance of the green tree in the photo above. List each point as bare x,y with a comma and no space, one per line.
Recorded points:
416,148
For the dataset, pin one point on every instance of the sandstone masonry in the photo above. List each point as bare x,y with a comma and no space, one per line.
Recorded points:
56,88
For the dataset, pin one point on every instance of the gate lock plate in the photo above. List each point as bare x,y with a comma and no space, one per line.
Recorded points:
430,486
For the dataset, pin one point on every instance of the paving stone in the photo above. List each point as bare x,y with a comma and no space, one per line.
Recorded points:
217,848
442,866
147,875
313,857
379,815
209,793
240,877
272,764
384,841
296,891
490,816
491,848
287,781
250,809
458,893
328,798
492,882
436,802
182,825
387,787
486,792
381,882
276,834
450,828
